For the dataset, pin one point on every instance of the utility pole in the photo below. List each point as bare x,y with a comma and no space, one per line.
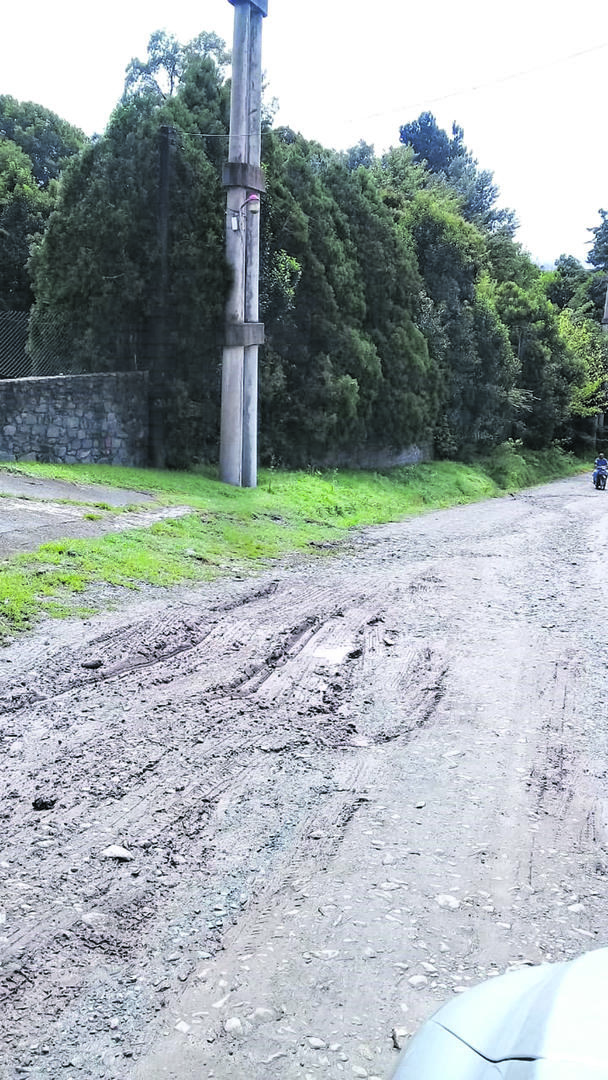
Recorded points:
244,181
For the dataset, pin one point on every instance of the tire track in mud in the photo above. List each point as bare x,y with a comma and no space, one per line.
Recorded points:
158,748
280,679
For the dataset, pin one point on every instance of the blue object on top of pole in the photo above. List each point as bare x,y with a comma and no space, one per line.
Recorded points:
259,5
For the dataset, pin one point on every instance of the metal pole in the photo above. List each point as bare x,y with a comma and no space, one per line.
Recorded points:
243,178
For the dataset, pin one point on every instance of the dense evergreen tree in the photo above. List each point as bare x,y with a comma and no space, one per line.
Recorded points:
345,366
34,145
449,158
47,140
598,256
398,306
99,269
24,208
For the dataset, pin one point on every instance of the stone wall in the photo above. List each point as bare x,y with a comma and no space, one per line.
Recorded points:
377,458
75,419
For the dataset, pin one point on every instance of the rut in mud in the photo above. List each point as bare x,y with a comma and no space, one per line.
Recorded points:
346,789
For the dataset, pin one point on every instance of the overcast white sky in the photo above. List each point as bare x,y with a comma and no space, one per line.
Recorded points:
526,81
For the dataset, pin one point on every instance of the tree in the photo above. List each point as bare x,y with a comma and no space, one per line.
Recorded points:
549,370
344,367
360,156
24,208
598,256
450,159
586,341
431,144
34,146
99,266
47,140
565,282
168,61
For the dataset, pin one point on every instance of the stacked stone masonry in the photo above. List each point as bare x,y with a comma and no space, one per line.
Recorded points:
75,419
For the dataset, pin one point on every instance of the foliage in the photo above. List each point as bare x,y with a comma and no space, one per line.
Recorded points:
398,306
34,145
101,266
589,344
168,63
24,208
450,158
548,370
344,365
46,139
598,256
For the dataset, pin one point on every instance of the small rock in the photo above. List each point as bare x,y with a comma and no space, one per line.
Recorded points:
233,1025
446,901
420,805
418,981
115,851
114,1022
41,803
316,1044
92,665
263,1016
94,918
182,1026
358,1071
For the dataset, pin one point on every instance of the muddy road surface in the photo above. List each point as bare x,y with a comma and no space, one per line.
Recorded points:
263,828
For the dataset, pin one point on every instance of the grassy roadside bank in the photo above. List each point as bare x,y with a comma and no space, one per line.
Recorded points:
235,529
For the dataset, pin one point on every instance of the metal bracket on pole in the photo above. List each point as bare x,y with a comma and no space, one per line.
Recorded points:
239,174
244,334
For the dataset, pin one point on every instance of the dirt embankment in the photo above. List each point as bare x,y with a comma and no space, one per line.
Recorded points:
344,790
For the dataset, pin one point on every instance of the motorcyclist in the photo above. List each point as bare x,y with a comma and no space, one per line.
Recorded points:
600,463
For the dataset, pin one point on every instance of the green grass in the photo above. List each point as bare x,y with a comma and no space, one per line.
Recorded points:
235,529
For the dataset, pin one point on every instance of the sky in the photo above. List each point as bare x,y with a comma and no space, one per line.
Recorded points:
525,80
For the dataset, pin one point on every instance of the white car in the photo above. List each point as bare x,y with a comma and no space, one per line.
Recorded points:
537,1023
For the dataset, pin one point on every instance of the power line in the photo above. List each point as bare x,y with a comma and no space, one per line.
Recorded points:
473,88
470,89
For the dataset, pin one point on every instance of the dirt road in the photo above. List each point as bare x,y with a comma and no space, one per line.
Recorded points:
345,790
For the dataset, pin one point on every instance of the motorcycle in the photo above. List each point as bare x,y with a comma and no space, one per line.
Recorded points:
545,1022
599,477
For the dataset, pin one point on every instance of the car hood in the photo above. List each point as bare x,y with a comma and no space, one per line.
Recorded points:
535,1022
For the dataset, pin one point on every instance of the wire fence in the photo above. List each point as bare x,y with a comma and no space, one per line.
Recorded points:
14,361
52,345
49,353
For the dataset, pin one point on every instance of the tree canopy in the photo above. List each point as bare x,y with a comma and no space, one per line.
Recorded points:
399,307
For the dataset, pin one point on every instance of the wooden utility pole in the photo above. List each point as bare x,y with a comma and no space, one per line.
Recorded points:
244,181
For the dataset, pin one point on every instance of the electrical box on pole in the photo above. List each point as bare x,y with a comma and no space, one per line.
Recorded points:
244,181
